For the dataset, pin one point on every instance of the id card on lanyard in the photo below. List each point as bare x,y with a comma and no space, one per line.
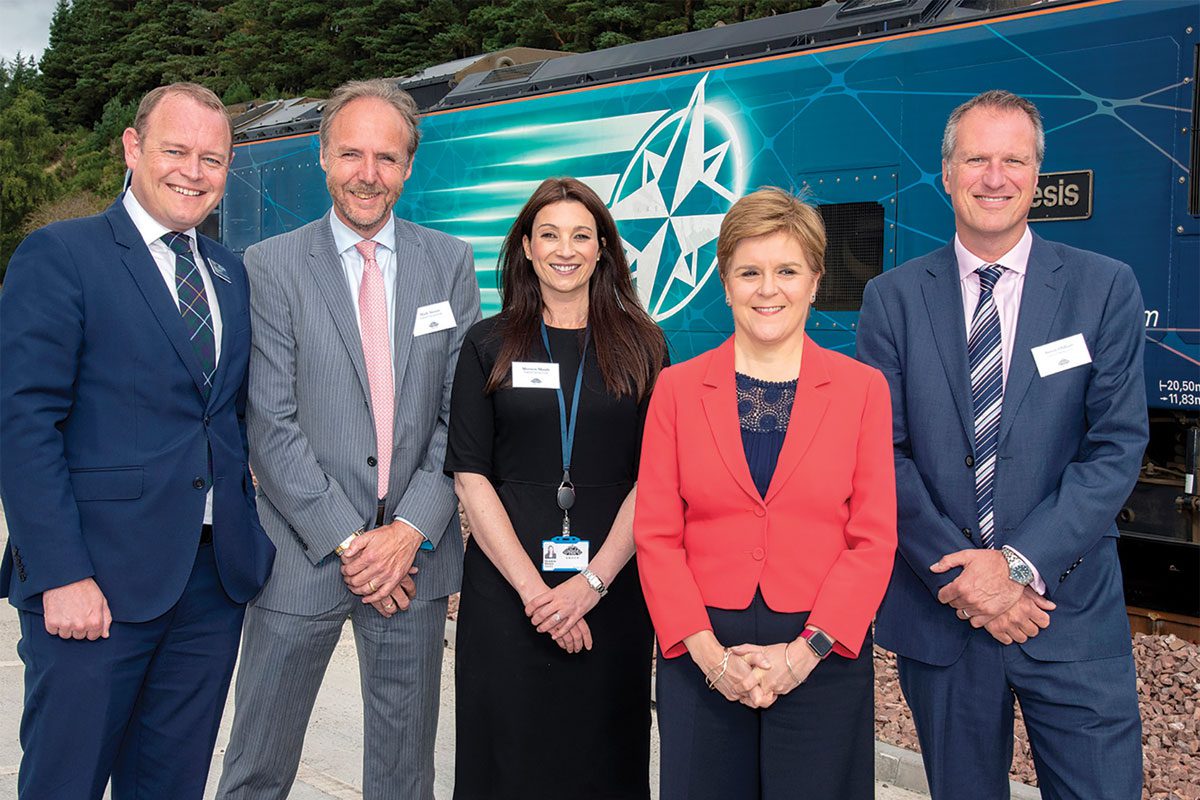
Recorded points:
565,552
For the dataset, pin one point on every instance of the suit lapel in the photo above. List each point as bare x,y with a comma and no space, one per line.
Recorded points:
326,268
720,408
410,275
808,409
943,301
149,280
1040,299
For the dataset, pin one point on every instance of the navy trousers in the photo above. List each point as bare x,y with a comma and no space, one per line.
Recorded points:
816,742
142,706
1082,717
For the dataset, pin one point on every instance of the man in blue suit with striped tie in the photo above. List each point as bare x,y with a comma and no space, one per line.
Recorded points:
1015,366
134,542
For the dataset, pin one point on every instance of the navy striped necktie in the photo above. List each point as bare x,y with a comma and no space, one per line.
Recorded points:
193,305
987,395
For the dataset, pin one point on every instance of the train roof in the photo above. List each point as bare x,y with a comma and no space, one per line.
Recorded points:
525,72
831,23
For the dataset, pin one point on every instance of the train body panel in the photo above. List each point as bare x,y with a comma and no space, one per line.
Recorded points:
856,126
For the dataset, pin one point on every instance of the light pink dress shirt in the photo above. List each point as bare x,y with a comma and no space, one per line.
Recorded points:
1007,295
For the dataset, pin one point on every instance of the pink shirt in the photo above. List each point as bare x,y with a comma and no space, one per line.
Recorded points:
1007,292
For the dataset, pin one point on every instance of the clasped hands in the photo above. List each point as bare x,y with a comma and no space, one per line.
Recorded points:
377,565
986,597
757,675
560,612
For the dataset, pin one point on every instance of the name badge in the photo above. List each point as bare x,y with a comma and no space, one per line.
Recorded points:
1064,354
534,375
433,318
564,554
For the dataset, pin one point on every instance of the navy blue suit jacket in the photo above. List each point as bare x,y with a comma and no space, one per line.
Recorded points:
1070,446
106,439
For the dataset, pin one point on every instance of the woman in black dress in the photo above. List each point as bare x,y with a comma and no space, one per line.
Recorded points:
552,682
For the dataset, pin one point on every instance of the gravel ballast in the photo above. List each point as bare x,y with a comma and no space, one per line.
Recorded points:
1168,671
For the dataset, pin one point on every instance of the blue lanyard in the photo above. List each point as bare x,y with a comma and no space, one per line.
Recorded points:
567,431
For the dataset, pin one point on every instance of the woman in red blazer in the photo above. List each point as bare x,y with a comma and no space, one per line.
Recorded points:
766,528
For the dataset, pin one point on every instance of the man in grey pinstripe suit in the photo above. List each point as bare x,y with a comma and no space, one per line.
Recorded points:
358,320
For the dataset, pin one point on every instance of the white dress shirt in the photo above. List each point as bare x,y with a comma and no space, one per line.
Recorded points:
152,231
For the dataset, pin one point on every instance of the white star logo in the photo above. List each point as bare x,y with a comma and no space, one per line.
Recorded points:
692,157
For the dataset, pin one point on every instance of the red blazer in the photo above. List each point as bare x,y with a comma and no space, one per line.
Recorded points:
823,539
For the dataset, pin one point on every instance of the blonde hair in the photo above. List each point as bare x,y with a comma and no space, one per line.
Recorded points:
195,91
379,89
772,210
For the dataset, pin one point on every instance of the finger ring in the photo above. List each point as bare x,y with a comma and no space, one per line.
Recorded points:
557,617
965,614
372,585
389,605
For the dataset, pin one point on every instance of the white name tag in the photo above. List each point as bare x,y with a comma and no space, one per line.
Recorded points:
433,318
534,375
1064,354
564,554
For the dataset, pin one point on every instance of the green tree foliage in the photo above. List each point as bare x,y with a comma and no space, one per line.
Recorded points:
61,119
28,151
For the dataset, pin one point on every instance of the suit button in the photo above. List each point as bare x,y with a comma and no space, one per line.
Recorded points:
207,420
371,461
758,554
969,461
967,532
198,483
760,512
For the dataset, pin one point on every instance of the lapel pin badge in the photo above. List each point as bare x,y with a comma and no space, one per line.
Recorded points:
219,271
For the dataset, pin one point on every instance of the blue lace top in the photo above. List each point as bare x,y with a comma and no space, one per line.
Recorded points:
764,409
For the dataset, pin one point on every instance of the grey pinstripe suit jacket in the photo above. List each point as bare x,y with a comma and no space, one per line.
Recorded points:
310,423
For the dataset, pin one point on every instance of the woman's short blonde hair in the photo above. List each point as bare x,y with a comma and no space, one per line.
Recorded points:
772,210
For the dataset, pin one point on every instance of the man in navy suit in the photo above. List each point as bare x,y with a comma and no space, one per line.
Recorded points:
133,537
1015,367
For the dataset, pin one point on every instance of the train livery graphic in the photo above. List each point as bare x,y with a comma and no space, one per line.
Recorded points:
844,103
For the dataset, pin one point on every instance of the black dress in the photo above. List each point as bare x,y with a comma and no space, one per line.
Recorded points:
533,721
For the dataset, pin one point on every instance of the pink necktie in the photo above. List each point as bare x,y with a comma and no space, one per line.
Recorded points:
377,351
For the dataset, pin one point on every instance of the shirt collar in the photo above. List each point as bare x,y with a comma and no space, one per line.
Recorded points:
150,229
1016,259
345,239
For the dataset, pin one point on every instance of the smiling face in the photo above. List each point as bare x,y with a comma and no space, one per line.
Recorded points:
179,166
365,158
770,287
991,178
564,248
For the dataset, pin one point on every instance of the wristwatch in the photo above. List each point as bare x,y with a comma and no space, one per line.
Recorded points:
594,581
818,642
1018,569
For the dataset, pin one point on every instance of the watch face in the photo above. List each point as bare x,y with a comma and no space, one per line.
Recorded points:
820,643
1018,570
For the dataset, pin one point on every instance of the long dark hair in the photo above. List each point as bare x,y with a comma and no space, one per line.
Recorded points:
629,347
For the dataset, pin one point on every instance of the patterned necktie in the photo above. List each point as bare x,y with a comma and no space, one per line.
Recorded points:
377,351
193,305
987,395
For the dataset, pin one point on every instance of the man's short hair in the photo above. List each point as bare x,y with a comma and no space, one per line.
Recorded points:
996,100
380,89
195,91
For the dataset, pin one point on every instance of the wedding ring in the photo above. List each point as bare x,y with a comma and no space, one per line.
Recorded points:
389,605
557,617
965,614
372,585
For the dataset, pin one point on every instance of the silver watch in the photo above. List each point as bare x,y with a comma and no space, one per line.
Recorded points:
1018,570
594,581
